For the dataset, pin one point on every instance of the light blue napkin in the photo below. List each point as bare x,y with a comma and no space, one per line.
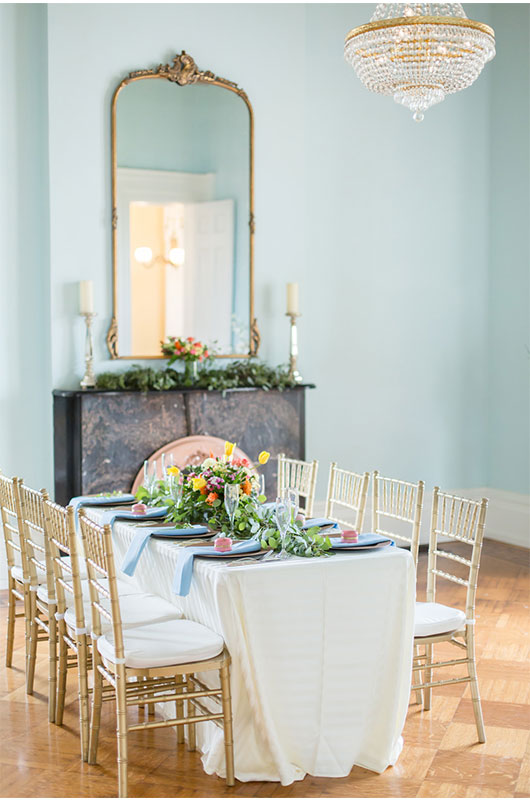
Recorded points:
141,537
85,500
319,522
109,517
364,540
184,569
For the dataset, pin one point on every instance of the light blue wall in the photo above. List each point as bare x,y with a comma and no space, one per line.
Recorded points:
395,272
509,319
386,224
25,374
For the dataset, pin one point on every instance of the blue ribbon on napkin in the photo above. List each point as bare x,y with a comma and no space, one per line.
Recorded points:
320,522
184,569
141,537
364,540
90,500
109,517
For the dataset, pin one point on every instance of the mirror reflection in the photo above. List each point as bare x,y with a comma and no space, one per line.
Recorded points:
182,199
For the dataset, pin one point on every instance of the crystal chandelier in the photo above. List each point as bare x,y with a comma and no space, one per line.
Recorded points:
419,52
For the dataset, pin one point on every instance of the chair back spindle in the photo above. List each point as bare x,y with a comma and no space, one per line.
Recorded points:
10,521
401,502
34,541
460,520
64,541
347,491
299,475
97,544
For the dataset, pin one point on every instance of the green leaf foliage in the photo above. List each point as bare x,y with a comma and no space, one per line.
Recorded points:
305,543
249,373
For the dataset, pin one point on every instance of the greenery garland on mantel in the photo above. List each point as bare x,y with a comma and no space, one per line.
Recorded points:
248,374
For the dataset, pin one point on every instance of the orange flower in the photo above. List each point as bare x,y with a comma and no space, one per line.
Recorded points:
247,486
211,497
204,490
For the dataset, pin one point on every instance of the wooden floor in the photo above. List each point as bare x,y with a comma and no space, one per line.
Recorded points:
441,757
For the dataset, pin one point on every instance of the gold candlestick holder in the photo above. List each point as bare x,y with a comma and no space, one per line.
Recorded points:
294,375
89,379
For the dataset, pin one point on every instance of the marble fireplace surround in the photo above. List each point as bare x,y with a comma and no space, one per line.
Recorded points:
102,438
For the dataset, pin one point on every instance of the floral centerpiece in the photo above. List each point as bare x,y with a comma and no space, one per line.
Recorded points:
189,350
201,493
196,495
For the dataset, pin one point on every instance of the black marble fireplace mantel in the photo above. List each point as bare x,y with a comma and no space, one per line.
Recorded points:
101,438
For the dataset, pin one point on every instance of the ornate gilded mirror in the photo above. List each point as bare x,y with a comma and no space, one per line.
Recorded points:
182,212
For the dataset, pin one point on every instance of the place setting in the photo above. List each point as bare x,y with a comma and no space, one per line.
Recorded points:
217,510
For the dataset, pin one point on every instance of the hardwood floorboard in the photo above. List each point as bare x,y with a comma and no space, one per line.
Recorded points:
441,756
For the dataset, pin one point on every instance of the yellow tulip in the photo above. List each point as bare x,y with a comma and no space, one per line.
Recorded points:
173,471
198,484
229,448
264,457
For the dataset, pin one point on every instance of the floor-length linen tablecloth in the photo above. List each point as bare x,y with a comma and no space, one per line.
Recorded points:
321,655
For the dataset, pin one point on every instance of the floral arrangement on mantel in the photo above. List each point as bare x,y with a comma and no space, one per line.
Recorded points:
249,373
196,494
188,350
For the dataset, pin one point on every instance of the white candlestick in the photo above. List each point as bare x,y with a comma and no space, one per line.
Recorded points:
292,298
86,297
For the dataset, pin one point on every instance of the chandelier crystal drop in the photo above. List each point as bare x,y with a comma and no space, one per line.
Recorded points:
419,52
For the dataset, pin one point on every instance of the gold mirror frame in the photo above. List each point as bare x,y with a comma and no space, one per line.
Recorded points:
184,72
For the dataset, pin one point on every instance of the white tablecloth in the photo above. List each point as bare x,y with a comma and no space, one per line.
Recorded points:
321,655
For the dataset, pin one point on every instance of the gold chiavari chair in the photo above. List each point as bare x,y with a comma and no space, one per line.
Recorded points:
74,614
299,475
59,525
38,571
399,505
16,583
151,663
462,521
402,503
346,491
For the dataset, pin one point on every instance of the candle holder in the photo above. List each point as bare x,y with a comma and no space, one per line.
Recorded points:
294,375
89,379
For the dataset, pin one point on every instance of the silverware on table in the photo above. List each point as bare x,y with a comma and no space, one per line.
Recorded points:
265,558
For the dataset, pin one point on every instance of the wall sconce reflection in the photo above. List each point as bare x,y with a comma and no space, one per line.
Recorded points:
175,257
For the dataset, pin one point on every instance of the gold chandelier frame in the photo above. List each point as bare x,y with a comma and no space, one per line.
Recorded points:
399,22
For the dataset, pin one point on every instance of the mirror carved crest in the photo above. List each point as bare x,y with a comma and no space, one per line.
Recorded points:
182,223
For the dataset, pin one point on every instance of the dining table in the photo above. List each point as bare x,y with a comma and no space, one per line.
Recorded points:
321,653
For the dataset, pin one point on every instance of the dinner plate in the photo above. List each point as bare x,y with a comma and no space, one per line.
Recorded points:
231,553
111,501
347,546
176,536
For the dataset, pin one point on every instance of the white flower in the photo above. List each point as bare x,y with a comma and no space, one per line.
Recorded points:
208,463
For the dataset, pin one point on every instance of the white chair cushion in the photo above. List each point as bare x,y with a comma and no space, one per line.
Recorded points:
433,618
124,590
17,574
136,610
163,644
82,568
